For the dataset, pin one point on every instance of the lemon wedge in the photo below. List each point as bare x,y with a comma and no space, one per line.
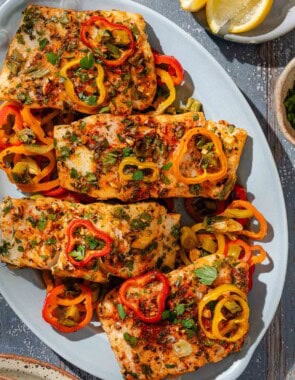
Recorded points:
238,16
192,5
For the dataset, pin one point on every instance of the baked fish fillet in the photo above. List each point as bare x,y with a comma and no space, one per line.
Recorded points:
34,234
90,152
176,346
49,38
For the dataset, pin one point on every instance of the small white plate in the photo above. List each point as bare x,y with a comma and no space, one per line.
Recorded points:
206,80
14,367
279,21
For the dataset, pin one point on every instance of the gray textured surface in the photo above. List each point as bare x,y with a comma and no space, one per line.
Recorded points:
254,68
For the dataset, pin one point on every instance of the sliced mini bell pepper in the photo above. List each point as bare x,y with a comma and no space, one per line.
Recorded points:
168,81
132,161
174,67
147,312
34,124
239,247
57,192
34,183
110,49
239,325
239,192
63,312
88,254
10,123
224,291
245,205
70,89
205,176
257,259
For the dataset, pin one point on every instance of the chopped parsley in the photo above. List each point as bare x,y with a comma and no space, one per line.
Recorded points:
94,243
43,43
41,224
8,207
131,340
180,309
87,62
4,248
64,153
74,173
195,189
167,166
52,58
137,175
175,232
126,152
121,311
50,241
120,213
79,253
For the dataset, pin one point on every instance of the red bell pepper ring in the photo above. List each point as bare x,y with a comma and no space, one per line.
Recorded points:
102,22
57,192
53,301
72,241
141,282
239,192
174,67
6,111
250,277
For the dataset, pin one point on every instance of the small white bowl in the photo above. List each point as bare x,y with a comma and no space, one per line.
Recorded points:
285,82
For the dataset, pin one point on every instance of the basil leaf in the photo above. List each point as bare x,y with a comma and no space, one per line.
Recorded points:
121,311
206,274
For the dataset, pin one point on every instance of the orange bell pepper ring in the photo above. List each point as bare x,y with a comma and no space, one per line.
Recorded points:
10,123
55,309
205,175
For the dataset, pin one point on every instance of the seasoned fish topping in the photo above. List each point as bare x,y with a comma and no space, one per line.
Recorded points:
35,234
177,344
141,156
65,59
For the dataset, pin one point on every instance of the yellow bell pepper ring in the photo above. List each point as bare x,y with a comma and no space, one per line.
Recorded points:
168,81
213,295
20,165
245,205
205,176
239,324
132,161
70,89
